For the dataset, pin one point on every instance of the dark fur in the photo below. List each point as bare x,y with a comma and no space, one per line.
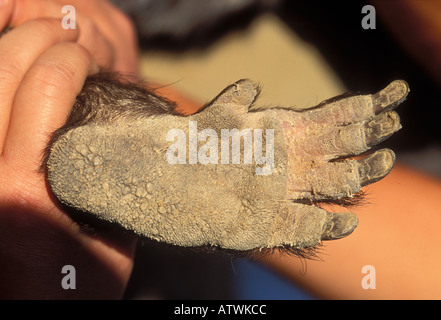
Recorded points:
357,200
106,98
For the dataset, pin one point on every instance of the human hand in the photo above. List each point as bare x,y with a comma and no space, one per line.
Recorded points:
106,32
43,68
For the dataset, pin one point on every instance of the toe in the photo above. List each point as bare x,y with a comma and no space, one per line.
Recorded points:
391,96
376,166
381,127
340,225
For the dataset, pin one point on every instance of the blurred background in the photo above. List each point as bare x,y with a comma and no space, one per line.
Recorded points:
302,52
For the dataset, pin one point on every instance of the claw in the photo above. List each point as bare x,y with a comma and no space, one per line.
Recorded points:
382,127
241,94
391,96
341,225
376,166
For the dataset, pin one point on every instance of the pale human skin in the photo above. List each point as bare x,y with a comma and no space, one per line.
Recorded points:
43,68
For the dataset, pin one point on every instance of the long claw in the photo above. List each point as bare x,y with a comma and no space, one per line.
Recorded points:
391,96
382,127
376,166
341,225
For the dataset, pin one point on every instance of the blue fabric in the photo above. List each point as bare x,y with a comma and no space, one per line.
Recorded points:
256,282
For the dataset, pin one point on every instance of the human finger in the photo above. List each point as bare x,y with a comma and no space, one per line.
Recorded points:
6,10
45,98
117,28
38,35
90,35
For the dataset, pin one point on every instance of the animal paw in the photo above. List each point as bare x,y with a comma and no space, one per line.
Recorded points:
233,175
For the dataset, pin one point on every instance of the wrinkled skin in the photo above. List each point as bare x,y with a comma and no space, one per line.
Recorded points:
117,168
